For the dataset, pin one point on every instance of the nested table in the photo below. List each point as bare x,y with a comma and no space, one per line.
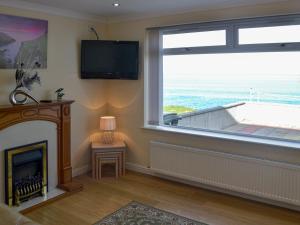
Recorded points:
108,154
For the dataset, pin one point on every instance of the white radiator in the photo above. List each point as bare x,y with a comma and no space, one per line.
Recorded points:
262,178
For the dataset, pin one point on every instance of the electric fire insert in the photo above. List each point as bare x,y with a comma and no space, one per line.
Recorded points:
26,173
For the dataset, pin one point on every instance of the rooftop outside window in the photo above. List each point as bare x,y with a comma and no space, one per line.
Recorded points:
237,77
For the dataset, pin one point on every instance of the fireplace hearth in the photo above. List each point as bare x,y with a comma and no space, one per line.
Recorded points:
26,174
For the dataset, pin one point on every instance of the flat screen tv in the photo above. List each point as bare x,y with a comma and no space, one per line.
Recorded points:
109,59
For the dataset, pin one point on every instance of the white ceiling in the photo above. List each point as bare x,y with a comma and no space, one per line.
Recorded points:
130,8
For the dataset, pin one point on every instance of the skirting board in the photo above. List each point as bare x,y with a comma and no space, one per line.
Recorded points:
148,171
81,170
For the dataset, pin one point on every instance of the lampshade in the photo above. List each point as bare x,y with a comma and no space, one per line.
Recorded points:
107,123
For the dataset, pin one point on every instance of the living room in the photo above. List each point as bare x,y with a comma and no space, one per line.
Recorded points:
245,173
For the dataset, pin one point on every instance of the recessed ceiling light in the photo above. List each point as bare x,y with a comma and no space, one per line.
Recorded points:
116,4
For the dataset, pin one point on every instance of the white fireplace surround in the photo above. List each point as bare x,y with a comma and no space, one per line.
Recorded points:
27,133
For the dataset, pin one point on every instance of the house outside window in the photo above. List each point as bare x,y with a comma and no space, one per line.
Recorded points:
238,77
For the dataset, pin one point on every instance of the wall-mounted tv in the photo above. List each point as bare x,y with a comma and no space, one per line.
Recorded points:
109,59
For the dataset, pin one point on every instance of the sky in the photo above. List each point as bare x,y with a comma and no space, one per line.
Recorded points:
21,28
246,66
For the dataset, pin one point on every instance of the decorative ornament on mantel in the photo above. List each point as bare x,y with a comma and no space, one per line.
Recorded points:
59,94
24,80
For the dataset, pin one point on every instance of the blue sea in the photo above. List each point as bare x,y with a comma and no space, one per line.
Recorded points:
210,93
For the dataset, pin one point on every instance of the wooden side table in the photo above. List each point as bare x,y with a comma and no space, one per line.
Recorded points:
105,153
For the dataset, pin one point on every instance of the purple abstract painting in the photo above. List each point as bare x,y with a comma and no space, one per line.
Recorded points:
22,40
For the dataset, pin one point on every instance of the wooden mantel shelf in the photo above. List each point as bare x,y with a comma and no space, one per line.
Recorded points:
58,112
5,108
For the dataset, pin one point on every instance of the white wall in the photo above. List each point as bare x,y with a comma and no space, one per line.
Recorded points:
64,37
126,98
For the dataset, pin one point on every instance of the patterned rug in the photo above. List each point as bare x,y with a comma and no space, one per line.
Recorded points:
139,214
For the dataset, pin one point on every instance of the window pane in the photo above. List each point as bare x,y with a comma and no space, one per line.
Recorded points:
196,39
245,93
265,35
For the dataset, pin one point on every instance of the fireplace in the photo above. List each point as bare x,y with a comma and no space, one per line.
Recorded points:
57,112
26,174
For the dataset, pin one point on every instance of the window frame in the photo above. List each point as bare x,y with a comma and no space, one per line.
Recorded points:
232,35
232,46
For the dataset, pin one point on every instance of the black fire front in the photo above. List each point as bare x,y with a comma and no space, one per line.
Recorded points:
26,173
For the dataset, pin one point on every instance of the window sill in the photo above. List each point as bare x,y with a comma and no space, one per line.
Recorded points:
231,137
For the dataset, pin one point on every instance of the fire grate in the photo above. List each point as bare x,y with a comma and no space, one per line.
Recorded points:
26,174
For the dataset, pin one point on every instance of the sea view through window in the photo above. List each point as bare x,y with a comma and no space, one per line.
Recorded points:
191,82
249,93
235,91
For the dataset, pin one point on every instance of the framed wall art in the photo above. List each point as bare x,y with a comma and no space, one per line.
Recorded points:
22,40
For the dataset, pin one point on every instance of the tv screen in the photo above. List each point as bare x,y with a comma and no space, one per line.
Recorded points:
109,59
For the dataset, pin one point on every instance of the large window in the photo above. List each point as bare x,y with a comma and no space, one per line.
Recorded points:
238,77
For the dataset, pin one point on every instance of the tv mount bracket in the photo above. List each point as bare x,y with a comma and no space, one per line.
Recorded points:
92,29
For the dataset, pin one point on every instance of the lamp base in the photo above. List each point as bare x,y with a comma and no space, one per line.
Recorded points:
107,137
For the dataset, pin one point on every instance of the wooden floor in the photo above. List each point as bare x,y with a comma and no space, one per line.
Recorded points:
101,198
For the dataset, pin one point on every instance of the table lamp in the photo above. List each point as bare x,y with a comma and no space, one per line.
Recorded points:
107,125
